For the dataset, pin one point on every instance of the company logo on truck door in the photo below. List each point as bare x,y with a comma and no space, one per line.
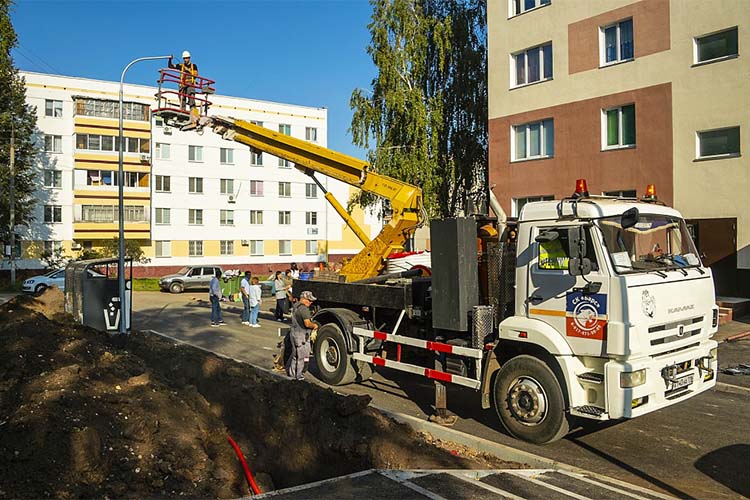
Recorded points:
586,315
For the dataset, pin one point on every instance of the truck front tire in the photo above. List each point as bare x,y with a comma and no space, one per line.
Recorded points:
529,401
335,365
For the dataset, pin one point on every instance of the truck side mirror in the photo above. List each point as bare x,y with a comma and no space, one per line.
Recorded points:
629,218
579,265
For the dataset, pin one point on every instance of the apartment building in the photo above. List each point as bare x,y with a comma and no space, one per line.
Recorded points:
627,94
189,198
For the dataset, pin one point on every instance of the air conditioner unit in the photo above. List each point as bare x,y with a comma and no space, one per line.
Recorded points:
244,243
167,130
145,158
312,230
231,199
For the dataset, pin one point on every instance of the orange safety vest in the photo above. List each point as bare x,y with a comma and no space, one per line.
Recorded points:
188,72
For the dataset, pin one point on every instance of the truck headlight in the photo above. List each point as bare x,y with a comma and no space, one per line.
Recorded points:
632,379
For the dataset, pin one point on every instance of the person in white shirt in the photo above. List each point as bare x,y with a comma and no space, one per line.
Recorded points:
280,286
295,271
246,305
255,301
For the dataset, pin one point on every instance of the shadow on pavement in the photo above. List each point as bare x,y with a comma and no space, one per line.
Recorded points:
729,466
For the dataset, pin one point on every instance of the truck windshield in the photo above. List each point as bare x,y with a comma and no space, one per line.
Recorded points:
655,243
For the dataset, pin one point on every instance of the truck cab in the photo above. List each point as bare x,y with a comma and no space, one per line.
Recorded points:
611,295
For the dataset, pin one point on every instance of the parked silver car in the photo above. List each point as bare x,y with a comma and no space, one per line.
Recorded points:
40,283
189,278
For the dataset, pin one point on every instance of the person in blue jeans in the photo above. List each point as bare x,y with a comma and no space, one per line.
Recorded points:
255,300
214,294
245,291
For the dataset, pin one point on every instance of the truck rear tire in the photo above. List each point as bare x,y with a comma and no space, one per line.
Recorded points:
529,401
335,365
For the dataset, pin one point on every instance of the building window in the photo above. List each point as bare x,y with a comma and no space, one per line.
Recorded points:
52,214
50,247
53,144
311,134
195,185
256,217
256,247
195,216
284,163
623,193
52,178
518,203
285,218
311,247
256,122
716,47
226,156
285,129
520,6
718,143
96,142
226,217
226,186
618,127
285,247
162,184
311,218
532,65
136,179
163,248
533,140
285,189
162,151
111,109
256,188
195,248
311,190
163,216
109,213
226,247
256,159
52,108
616,42
195,153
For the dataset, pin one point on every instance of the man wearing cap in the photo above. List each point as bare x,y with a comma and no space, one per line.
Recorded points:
299,336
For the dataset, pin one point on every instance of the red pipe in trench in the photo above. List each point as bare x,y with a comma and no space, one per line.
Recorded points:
248,475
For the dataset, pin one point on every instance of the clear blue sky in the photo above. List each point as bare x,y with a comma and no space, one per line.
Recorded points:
306,52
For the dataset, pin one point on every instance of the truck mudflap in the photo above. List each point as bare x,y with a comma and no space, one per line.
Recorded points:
668,379
416,369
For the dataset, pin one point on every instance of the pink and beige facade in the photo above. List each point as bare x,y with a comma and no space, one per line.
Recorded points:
627,94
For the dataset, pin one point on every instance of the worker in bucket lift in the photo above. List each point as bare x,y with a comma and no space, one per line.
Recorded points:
188,73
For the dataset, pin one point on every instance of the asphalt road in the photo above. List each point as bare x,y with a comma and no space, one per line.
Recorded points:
697,449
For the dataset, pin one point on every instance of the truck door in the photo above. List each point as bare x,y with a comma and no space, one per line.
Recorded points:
561,300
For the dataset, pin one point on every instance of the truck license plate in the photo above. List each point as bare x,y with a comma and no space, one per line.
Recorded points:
682,382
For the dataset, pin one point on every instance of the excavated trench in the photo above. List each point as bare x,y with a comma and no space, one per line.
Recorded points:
83,414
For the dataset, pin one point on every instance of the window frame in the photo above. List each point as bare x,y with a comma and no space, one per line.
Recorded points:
285,218
159,186
603,63
286,243
256,192
311,134
56,178
55,213
192,150
195,246
542,65
159,246
226,247
193,216
226,217
513,12
311,191
195,181
514,130
308,251
256,217
53,108
256,158
254,245
226,156
620,128
696,41
720,156
159,150
163,211
285,193
516,210
311,218
55,144
224,184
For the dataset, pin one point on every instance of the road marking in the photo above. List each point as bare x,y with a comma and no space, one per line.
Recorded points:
537,482
600,484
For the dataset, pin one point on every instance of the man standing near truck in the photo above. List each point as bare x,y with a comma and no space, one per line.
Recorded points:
302,328
214,294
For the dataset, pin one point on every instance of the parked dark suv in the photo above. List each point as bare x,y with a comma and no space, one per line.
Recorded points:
189,278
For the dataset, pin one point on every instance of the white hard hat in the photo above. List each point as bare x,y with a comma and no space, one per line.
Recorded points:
185,54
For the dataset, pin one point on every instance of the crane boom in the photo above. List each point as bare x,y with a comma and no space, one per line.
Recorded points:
405,199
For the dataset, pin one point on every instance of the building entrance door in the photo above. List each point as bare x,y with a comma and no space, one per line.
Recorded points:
716,240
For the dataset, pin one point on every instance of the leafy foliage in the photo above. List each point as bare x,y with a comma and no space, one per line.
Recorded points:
54,259
426,112
15,115
111,248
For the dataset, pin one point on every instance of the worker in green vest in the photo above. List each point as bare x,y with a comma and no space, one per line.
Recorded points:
552,255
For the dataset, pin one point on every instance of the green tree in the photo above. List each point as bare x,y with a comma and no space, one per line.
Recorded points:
111,248
426,112
19,117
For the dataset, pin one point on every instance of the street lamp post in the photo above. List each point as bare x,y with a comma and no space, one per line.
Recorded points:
121,215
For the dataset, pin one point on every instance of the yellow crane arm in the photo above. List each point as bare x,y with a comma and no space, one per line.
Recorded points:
405,199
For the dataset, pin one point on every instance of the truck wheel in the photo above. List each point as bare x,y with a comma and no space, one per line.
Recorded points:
529,401
335,366
176,288
40,289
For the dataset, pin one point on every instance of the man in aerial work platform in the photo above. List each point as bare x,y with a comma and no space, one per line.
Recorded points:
188,72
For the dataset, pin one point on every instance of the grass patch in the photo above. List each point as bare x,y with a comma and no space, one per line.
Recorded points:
146,284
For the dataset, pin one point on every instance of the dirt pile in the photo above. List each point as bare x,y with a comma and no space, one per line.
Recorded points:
83,414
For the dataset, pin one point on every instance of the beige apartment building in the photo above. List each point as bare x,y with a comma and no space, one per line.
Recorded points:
626,94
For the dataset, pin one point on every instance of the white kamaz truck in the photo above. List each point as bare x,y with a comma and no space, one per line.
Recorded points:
587,307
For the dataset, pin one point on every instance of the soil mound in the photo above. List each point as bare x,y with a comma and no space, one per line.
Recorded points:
83,414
